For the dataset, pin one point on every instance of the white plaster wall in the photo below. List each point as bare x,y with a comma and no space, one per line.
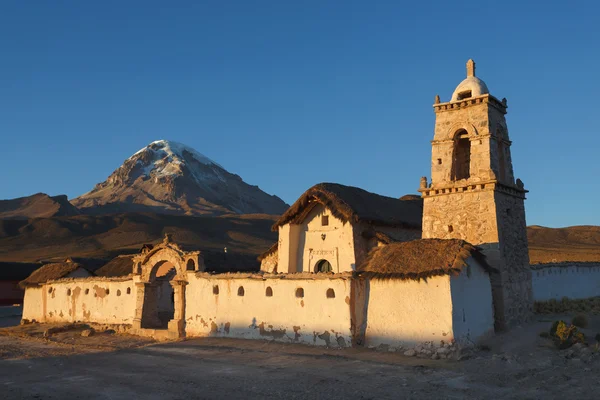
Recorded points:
314,319
572,280
88,301
337,247
403,313
287,248
33,304
472,304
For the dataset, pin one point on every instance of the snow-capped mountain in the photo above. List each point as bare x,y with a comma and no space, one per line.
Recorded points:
170,177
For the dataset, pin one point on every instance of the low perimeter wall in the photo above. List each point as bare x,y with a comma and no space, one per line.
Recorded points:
575,280
100,300
405,313
313,310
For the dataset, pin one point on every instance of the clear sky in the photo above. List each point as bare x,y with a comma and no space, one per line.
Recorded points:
291,93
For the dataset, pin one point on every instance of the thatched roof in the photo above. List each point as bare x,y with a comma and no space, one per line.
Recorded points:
380,236
353,204
419,259
118,266
270,251
50,272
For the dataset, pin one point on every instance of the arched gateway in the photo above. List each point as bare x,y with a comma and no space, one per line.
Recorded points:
160,274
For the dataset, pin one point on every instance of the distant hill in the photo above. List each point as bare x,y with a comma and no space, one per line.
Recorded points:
106,236
574,243
39,205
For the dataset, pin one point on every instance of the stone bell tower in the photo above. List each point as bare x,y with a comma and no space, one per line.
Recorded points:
473,194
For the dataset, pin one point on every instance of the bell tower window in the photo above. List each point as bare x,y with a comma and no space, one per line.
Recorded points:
464,95
461,167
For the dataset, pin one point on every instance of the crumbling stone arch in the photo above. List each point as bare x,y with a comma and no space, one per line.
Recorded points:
145,275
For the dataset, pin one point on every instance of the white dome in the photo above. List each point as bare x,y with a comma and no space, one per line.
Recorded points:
476,86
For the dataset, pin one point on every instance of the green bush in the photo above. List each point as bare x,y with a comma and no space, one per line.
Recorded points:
580,320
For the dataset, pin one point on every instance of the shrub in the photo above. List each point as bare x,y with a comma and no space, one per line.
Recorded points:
565,335
580,320
554,327
544,334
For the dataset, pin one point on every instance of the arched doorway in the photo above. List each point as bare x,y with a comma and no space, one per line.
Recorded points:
161,275
323,266
159,297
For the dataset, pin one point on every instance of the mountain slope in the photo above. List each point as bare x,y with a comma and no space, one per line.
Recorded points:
169,177
106,236
573,243
39,205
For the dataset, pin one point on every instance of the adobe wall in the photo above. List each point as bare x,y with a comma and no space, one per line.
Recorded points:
574,280
407,313
314,319
302,246
402,314
34,304
99,300
472,305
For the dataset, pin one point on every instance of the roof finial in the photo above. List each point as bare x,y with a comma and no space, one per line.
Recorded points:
470,68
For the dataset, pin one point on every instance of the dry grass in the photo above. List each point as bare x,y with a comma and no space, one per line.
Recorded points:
419,259
590,306
50,272
351,204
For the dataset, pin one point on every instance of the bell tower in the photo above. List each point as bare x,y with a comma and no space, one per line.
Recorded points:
473,194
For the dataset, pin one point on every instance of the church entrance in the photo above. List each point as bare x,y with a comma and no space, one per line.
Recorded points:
323,266
159,297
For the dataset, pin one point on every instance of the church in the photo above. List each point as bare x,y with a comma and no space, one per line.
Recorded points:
350,267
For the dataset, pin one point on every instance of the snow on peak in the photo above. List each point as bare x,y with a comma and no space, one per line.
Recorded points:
167,158
175,150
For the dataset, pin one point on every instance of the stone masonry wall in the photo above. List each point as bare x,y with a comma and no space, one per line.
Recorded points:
515,273
470,216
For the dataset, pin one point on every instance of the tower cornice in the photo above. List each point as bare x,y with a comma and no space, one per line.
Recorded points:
444,189
471,101
474,138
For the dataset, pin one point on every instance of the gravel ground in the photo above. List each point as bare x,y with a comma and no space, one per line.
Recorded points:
518,364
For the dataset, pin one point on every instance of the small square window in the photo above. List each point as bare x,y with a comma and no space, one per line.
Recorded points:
325,220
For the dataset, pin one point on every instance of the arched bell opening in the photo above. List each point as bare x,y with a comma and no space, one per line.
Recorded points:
461,159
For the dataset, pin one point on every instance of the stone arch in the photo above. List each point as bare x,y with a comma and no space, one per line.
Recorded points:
151,289
160,255
458,126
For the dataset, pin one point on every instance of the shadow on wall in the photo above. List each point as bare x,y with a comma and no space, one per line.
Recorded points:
266,331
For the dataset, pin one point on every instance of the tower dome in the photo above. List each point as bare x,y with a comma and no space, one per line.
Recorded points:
472,86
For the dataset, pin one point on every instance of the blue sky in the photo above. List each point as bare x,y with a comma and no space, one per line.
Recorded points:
288,94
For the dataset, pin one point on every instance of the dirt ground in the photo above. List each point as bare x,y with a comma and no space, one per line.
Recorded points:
516,365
